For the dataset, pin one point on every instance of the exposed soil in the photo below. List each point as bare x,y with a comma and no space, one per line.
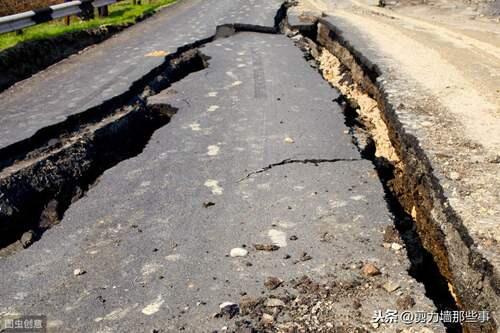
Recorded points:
402,167
40,177
40,54
44,175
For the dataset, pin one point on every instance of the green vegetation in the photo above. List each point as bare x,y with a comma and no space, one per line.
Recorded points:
119,13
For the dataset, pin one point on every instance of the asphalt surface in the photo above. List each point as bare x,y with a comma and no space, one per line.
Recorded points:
97,74
156,257
451,132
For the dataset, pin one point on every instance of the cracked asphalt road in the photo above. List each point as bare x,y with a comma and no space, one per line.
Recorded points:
257,153
156,257
100,73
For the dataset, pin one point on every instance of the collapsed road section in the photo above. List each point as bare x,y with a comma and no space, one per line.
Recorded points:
43,175
177,238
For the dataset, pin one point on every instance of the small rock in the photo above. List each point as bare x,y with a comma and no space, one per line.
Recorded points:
489,242
391,235
396,246
207,204
247,304
229,309
272,282
326,237
246,330
405,302
293,237
390,286
304,257
266,247
289,140
27,238
267,319
356,266
356,304
370,270
494,159
78,272
274,302
454,175
238,252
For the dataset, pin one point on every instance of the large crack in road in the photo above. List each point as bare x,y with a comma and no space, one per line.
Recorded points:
42,175
160,228
413,192
45,174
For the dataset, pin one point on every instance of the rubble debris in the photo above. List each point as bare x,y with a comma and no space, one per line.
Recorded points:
266,247
273,282
229,309
370,270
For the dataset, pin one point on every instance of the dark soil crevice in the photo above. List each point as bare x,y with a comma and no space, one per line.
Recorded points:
174,68
430,228
44,175
39,54
41,176
423,267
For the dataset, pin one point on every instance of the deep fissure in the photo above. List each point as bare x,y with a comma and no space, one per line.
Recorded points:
38,189
40,177
424,267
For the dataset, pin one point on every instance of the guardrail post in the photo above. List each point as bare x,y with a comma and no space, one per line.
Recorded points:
67,19
103,11
87,10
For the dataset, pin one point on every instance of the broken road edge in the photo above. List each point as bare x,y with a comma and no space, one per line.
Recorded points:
409,178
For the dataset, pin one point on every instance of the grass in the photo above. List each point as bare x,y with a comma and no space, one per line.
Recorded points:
119,13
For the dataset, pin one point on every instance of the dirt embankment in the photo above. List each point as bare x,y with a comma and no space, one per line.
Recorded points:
40,54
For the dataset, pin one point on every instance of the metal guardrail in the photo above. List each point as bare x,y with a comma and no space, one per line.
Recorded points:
33,17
